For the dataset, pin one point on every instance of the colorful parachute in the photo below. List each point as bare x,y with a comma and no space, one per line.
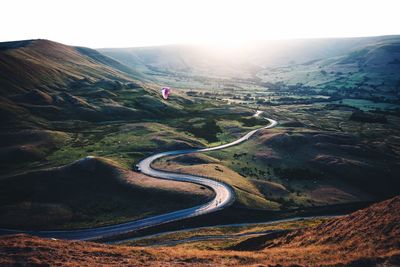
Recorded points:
165,91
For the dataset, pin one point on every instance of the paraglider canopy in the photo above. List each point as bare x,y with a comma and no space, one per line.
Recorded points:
165,91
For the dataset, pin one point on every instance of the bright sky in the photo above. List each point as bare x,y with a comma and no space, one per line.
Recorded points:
119,23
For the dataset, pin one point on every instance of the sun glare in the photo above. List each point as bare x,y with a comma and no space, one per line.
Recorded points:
224,23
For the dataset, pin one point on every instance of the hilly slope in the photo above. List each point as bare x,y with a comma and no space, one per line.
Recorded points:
51,93
89,192
374,228
43,64
372,68
300,167
43,78
369,237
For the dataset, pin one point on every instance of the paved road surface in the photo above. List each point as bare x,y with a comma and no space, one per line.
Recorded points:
224,196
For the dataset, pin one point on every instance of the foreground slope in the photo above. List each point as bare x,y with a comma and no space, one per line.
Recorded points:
375,229
369,237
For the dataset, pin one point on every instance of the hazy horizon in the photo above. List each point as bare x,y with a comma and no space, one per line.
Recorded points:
114,24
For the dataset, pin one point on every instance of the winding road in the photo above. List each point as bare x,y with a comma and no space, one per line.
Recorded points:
224,196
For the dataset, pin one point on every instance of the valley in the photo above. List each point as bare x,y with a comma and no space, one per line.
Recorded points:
78,123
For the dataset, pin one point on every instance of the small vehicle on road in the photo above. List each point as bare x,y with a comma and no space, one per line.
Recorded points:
136,168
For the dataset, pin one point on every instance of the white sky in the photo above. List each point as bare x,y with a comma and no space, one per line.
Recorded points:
119,23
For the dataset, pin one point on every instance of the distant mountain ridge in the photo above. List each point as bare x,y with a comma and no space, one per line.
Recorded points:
230,62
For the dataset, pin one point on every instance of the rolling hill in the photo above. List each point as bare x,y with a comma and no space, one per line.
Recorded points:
50,92
41,79
373,68
89,192
44,64
368,237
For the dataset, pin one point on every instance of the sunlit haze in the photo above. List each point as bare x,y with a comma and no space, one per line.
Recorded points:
117,23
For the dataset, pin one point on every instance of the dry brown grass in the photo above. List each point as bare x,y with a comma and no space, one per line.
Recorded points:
329,194
374,228
27,250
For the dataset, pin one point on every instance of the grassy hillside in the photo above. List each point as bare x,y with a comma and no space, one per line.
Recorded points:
371,70
87,193
295,167
52,94
41,80
315,167
43,64
373,228
366,237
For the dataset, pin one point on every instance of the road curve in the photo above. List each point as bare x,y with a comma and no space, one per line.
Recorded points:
224,196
